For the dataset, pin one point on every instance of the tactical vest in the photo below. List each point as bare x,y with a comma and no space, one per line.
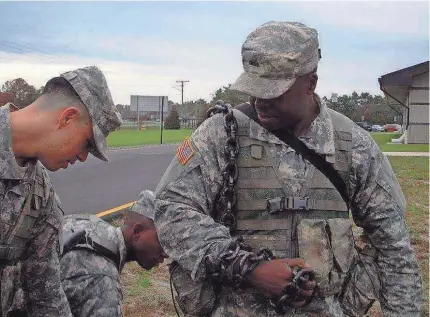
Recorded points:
14,242
87,239
314,225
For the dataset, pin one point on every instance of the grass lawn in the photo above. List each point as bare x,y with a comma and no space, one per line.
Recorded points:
150,136
128,137
413,175
384,141
148,293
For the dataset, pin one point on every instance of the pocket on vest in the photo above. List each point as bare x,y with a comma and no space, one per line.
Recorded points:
328,246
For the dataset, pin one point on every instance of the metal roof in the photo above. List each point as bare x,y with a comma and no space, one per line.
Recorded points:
396,85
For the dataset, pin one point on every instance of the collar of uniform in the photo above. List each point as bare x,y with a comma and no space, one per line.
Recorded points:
258,132
9,167
122,249
320,135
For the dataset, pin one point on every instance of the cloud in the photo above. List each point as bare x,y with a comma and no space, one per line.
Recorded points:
393,17
376,38
127,78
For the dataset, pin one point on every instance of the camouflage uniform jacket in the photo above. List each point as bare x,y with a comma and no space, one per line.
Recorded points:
186,194
90,280
39,262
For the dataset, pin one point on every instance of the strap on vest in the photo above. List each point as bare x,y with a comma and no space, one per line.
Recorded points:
314,158
81,238
8,252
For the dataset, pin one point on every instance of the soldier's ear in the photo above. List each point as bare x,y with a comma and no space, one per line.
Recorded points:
313,79
70,113
137,230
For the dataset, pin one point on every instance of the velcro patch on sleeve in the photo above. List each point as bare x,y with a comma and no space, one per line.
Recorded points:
185,151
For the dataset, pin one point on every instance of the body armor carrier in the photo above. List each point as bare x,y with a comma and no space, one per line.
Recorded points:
15,241
263,215
83,239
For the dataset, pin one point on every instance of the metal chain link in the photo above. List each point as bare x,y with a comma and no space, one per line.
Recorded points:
226,202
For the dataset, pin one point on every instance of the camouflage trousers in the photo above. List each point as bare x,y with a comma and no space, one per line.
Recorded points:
359,292
12,295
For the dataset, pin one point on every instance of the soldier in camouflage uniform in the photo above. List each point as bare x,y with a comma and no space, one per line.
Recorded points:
90,276
73,116
284,203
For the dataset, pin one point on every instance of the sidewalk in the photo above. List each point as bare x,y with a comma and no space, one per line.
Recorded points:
406,153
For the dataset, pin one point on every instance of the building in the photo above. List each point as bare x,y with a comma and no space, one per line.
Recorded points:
409,88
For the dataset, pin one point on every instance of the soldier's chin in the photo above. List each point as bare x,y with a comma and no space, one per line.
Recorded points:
145,265
51,167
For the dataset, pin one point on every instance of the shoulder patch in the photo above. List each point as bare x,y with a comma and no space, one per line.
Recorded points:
185,151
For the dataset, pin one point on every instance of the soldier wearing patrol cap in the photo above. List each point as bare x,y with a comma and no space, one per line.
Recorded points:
254,209
72,117
92,264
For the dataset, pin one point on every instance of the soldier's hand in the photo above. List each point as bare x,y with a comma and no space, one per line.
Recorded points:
270,277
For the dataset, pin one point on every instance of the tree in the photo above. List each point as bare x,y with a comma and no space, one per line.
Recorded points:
172,120
367,114
374,109
191,109
5,98
230,96
23,93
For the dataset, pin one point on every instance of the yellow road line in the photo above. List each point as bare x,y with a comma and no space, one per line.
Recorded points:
113,210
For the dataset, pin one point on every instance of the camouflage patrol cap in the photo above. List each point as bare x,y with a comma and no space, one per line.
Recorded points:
274,55
90,84
145,204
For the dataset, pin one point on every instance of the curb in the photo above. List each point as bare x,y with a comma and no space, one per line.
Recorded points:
116,212
422,154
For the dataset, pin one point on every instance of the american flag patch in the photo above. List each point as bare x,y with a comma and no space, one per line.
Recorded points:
185,151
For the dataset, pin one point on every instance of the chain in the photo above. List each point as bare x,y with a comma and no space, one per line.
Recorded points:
226,202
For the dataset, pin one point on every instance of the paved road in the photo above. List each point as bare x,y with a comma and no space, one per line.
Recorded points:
96,186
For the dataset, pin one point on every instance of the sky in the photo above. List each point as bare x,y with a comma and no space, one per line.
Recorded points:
143,48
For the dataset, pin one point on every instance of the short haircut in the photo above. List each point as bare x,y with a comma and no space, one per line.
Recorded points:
59,93
134,217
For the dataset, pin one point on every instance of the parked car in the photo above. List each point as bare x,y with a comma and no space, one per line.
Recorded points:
377,128
364,125
392,127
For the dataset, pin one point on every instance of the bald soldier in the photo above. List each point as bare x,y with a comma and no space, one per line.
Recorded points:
91,266
72,118
258,205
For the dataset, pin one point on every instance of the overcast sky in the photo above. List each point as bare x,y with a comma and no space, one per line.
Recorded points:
145,47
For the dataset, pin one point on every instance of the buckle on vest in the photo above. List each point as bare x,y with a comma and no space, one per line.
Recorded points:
277,204
297,203
7,253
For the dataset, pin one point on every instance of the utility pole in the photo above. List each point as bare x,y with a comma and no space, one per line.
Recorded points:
182,88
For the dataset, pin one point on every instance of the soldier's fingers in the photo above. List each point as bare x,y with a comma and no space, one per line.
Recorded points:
305,293
297,262
298,304
308,285
301,298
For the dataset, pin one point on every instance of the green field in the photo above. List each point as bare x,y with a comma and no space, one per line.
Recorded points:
135,137
384,141
129,137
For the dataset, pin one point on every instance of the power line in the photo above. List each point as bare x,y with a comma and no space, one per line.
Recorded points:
15,50
20,46
182,88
